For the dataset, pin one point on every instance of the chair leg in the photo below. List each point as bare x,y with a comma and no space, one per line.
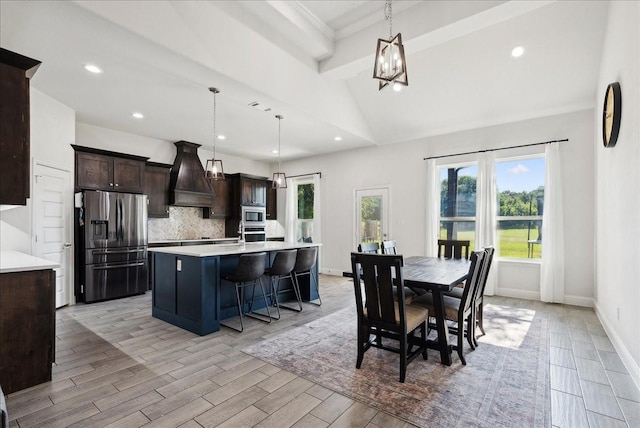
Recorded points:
296,290
258,315
403,357
239,311
361,341
460,341
312,280
479,318
470,331
274,294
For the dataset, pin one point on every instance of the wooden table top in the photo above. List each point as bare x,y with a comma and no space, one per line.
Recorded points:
430,272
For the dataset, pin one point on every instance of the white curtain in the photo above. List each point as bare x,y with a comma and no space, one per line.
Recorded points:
552,268
291,211
486,212
433,209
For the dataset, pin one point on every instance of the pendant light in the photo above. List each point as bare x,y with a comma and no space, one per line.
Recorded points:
213,169
390,65
279,178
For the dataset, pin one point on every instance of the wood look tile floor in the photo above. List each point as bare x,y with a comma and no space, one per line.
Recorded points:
117,366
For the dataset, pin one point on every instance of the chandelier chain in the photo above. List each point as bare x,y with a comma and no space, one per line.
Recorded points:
279,154
214,124
389,17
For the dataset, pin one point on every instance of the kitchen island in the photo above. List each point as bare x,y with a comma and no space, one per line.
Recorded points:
188,291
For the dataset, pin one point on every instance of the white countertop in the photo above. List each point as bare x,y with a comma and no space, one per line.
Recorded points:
15,261
230,249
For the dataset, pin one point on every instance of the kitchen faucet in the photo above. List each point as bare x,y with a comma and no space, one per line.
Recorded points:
241,232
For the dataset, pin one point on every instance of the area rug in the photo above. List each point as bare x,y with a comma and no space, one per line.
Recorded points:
504,384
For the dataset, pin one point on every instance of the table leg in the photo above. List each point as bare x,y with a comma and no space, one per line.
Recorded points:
443,329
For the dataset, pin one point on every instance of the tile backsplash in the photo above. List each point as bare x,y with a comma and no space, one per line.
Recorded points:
184,223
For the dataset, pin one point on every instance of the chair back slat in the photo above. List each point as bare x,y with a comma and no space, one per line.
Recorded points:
453,248
389,247
473,280
380,276
484,274
369,247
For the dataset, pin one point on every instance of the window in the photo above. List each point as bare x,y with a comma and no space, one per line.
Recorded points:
520,185
458,202
304,223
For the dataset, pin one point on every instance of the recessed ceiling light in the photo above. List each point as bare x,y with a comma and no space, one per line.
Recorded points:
517,52
93,68
137,115
274,151
338,138
221,137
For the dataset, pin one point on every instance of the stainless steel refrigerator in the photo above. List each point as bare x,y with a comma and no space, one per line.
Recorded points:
115,245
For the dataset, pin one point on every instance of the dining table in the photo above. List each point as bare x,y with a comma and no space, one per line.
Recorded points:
436,275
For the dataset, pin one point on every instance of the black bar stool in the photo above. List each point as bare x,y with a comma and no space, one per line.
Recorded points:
249,272
305,261
282,267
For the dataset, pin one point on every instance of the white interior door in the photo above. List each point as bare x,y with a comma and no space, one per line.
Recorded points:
372,215
52,215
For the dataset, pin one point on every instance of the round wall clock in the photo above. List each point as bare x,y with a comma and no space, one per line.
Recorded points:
611,113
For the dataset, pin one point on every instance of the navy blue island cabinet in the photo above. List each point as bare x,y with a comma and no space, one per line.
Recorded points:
189,293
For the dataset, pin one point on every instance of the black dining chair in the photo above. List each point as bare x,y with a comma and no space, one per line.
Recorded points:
305,261
248,272
479,297
369,248
282,267
453,248
377,281
389,247
459,310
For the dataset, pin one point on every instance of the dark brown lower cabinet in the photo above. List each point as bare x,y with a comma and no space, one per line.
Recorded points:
27,328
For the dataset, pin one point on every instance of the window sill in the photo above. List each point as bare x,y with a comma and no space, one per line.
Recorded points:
529,262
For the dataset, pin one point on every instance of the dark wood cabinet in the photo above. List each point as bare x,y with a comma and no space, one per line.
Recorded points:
15,72
156,188
272,201
27,328
254,191
104,170
221,194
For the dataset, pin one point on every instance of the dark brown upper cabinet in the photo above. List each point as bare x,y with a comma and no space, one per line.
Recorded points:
221,192
272,201
104,170
15,72
157,189
254,191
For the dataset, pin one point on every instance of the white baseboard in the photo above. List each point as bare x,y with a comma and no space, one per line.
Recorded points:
623,352
518,294
586,302
329,271
534,295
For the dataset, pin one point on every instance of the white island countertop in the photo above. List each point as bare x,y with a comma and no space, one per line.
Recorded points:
15,261
230,249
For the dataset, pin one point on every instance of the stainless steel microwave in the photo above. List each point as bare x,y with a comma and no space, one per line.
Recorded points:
254,216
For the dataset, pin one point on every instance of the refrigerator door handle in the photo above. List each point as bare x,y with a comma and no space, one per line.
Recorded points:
118,266
101,252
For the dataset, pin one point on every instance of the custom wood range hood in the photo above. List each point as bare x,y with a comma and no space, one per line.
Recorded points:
187,185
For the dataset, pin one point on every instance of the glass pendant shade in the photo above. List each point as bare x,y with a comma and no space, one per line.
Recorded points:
390,65
213,169
279,178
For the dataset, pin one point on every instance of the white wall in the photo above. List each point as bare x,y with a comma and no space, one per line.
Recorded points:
402,167
52,132
618,189
159,150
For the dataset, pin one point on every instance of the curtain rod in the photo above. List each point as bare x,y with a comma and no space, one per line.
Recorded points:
495,150
304,175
